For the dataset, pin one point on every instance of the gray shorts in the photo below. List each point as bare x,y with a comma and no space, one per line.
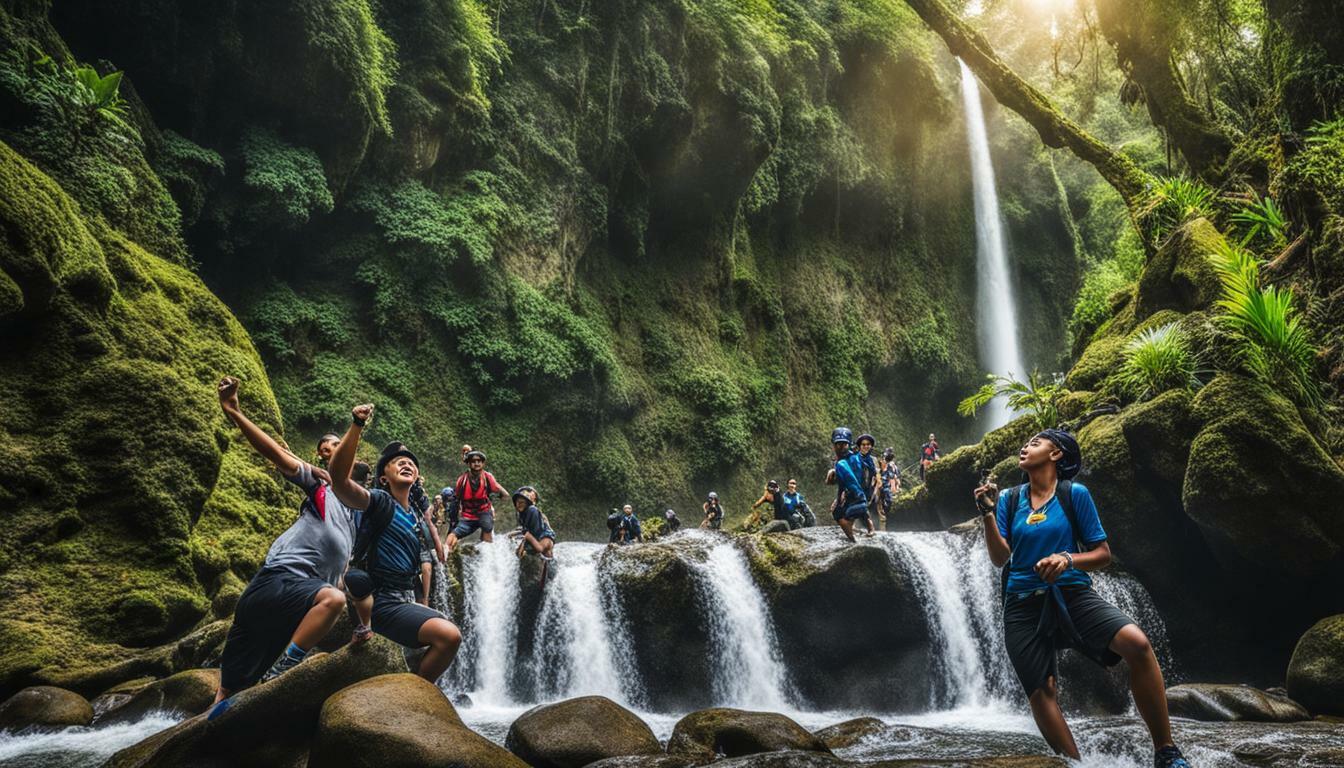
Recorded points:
485,523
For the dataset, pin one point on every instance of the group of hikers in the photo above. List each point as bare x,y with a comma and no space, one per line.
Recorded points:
363,536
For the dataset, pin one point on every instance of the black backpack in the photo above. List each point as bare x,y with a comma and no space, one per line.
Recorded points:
1063,492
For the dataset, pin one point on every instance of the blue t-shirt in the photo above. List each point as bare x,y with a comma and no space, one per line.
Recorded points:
398,561
848,471
792,500
1046,532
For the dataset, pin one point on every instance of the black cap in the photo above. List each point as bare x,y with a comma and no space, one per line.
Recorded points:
391,451
467,457
1072,460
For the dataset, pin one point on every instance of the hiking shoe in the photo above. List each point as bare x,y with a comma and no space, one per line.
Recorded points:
362,633
280,667
1170,757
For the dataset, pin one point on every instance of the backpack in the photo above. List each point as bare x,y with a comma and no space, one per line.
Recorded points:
1063,492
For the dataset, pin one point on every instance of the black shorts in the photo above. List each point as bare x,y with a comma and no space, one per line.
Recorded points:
399,618
857,511
267,614
1034,632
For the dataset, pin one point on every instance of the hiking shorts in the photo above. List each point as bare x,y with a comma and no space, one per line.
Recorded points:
851,512
1034,637
399,618
267,614
485,523
427,557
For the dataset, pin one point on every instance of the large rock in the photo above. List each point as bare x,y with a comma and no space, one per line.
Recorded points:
1316,671
187,692
1226,703
399,721
1181,276
44,707
268,724
733,732
644,761
851,732
574,733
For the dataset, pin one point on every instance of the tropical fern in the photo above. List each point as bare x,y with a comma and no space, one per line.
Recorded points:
1158,360
1034,395
1174,201
1263,218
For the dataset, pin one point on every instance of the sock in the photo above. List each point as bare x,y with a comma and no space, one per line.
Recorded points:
295,652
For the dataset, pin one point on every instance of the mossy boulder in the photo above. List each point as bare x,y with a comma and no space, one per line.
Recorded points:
576,732
947,496
1229,703
1181,275
850,732
1316,671
44,707
399,721
729,732
188,692
269,724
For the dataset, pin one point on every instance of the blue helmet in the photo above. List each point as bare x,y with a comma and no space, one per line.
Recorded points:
842,435
448,493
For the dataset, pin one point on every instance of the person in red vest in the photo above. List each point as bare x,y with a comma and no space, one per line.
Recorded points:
475,510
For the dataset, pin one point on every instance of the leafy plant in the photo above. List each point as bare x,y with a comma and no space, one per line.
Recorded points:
1276,347
1034,395
1156,361
99,93
1263,218
1173,202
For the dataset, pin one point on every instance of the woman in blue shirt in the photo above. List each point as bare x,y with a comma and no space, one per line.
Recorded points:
1049,603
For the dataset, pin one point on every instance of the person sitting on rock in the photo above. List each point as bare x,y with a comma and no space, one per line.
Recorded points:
431,548
673,522
851,502
775,498
1048,534
389,547
538,536
631,531
713,512
474,489
795,506
296,598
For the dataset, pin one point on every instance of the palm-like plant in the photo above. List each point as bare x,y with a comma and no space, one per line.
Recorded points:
1276,347
1034,395
1263,218
1158,360
1173,202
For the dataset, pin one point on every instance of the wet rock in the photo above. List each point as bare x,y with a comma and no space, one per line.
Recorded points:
399,720
1012,761
1316,671
187,692
775,526
735,732
574,733
850,732
201,648
268,724
117,695
644,761
787,759
44,707
1204,701
1088,689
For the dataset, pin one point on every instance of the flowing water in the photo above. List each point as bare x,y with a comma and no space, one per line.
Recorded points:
490,625
996,304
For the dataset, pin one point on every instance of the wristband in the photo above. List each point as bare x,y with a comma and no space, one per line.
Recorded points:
1068,557
358,422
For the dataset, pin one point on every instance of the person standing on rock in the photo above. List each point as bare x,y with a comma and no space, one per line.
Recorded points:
928,453
851,502
871,478
1048,535
713,512
631,530
891,483
673,523
775,498
295,599
388,545
795,506
474,489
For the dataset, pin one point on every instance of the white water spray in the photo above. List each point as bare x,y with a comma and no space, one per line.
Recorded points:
491,607
748,667
996,309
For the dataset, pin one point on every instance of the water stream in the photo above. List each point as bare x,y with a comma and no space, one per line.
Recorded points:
996,303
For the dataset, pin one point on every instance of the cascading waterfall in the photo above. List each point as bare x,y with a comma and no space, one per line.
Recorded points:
996,308
490,637
439,598
580,630
1126,593
748,671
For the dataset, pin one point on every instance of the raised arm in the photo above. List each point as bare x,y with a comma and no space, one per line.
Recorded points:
987,500
262,443
351,494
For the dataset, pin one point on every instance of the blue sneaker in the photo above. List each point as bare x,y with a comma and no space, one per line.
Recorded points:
1170,757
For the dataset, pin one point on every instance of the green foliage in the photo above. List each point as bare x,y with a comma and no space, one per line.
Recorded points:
347,40
440,228
1263,222
1275,345
100,94
1158,360
1173,202
1034,395
285,185
1317,172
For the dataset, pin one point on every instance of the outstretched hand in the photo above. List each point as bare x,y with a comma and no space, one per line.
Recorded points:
228,393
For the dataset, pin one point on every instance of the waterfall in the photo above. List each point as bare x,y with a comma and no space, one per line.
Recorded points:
490,637
439,598
581,634
748,667
996,311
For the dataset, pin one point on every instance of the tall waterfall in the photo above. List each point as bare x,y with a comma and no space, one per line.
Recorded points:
747,672
491,577
996,306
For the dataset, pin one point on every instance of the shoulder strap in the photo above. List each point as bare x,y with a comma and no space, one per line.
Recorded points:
375,521
1014,499
1064,493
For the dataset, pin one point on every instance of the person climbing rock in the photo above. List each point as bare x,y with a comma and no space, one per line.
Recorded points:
673,523
431,548
928,453
537,535
388,546
870,477
448,496
891,483
295,599
713,512
1046,535
775,498
474,489
795,506
851,503
631,530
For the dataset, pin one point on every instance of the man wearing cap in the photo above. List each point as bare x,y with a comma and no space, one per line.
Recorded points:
388,544
474,489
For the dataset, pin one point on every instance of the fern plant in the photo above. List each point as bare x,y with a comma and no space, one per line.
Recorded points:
1158,360
1035,395
1173,202
99,93
1262,218
1275,345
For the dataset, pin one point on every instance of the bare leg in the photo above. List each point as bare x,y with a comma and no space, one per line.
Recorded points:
319,620
452,541
1050,720
221,694
1145,680
847,526
443,638
487,537
426,579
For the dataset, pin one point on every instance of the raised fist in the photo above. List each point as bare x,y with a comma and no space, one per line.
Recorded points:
361,413
228,393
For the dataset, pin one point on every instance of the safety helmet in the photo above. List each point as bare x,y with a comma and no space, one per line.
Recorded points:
469,455
865,436
525,492
842,435
713,496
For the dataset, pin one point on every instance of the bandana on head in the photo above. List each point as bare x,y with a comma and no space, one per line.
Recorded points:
1072,460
